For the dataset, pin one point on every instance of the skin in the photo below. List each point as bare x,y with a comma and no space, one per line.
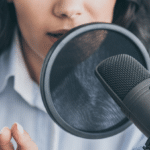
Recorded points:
36,18
20,138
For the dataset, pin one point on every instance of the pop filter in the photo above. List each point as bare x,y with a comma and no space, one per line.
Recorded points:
72,94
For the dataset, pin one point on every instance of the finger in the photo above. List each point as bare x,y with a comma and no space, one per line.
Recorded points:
22,138
5,137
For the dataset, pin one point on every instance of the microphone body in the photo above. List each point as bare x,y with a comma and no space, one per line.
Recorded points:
128,83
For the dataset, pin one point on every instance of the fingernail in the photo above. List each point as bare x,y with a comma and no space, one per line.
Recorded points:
20,128
2,130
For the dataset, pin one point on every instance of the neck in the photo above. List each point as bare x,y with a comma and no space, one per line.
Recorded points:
33,61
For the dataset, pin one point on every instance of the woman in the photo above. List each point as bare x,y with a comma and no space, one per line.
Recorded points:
28,29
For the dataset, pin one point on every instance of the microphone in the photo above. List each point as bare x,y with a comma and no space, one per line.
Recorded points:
128,83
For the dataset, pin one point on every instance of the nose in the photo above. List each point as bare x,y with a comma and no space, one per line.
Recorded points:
68,8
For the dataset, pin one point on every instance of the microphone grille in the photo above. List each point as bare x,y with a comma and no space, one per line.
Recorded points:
122,73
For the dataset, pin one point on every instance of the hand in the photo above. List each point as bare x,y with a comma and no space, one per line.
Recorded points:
22,138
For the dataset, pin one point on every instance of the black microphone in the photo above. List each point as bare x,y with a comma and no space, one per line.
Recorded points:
128,83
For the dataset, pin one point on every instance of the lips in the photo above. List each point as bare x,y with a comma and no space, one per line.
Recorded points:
54,36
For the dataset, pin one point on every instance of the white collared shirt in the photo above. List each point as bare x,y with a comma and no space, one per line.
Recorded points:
20,101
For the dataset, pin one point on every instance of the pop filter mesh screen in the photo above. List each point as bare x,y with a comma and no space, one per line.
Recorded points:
78,96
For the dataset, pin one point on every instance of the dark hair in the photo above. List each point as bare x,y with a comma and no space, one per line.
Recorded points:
131,14
7,23
135,16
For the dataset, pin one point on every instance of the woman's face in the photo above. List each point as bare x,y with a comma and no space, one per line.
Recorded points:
42,22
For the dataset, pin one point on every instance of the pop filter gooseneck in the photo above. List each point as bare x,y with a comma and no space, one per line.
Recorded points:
72,94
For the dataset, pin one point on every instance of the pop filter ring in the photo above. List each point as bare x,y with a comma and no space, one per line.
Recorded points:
47,67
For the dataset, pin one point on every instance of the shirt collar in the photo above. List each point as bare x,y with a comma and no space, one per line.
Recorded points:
12,64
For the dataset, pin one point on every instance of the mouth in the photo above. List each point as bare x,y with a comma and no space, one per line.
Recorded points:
54,36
